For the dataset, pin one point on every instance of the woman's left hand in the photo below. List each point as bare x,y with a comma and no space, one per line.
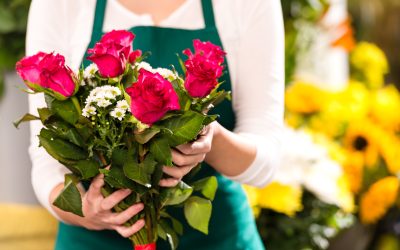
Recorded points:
186,156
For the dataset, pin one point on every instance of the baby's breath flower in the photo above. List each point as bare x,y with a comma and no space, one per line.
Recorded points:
90,71
144,65
166,73
123,104
88,111
118,113
103,103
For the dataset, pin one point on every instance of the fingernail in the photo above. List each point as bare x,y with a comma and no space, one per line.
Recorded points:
141,222
140,206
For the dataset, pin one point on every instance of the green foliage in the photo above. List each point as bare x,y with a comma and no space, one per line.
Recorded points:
175,195
312,228
198,213
13,19
70,198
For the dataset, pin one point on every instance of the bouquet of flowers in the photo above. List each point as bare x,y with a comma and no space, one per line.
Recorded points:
120,117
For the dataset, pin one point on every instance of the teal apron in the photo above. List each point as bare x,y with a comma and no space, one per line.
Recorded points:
232,225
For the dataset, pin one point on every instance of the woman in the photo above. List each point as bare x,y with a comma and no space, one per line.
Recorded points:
251,32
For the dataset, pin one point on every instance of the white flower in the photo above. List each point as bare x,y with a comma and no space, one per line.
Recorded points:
103,103
88,111
123,104
166,73
308,164
144,65
118,113
90,71
102,95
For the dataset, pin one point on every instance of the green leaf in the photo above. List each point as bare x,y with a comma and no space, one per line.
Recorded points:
146,135
176,225
161,151
87,168
119,157
26,118
66,110
198,213
59,148
175,195
70,198
44,114
207,186
170,233
136,172
116,178
149,164
209,119
184,128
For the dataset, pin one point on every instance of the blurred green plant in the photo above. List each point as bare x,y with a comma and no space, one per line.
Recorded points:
311,229
296,14
13,19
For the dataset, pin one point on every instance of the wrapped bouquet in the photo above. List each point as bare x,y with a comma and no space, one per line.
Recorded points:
120,117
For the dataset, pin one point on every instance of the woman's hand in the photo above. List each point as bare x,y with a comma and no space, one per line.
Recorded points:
186,156
98,214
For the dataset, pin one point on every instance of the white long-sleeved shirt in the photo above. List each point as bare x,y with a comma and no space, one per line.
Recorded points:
252,35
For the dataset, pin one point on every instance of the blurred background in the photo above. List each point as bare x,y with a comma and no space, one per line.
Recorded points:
338,184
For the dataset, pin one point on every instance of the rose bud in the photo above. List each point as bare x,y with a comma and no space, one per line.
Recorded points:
47,73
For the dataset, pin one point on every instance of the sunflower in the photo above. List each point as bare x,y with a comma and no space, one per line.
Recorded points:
390,151
353,168
362,136
385,107
378,199
305,98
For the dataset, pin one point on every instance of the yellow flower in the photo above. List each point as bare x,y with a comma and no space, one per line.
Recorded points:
346,198
281,198
390,150
378,199
353,168
370,62
385,107
362,137
305,98
252,197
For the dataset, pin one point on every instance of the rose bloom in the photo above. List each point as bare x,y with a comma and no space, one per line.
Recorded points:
204,67
201,76
151,97
208,50
112,53
47,71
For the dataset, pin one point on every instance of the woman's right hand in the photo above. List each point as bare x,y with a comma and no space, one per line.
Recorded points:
97,210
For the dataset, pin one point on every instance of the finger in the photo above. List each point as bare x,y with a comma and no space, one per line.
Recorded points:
94,191
170,182
177,172
114,198
129,231
182,160
122,217
200,146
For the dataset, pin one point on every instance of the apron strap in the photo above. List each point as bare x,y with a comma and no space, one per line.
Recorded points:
97,30
208,13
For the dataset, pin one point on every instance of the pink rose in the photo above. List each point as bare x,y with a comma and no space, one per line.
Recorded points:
151,97
203,68
47,71
201,76
208,50
112,52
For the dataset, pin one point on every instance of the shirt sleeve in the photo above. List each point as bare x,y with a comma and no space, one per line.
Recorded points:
258,97
47,32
